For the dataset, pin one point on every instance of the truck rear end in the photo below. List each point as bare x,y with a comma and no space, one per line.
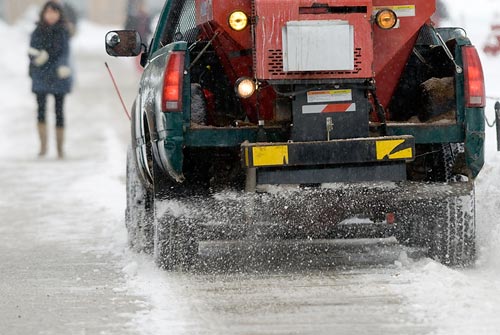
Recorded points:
368,119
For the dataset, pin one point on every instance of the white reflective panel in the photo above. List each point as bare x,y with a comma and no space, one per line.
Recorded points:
318,45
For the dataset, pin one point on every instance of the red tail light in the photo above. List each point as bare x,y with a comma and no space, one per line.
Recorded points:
390,218
475,95
173,82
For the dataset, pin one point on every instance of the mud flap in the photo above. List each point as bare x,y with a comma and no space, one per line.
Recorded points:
138,211
175,238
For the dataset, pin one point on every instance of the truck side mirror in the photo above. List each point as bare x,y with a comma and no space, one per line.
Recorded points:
123,43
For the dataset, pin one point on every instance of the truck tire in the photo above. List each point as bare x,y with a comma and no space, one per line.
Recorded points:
452,239
139,212
451,233
162,254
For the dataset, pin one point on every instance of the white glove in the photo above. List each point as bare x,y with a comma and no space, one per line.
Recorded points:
33,52
41,56
63,72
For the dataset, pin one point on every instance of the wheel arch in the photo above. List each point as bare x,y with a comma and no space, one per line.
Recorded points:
141,144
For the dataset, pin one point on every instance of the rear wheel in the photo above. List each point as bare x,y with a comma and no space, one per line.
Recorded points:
447,228
163,254
139,211
452,238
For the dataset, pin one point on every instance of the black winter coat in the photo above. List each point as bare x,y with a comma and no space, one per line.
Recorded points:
55,40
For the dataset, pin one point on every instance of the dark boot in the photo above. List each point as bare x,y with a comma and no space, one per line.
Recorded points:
42,133
60,141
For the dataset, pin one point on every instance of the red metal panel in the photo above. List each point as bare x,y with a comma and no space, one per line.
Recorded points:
377,53
212,17
393,47
219,11
272,15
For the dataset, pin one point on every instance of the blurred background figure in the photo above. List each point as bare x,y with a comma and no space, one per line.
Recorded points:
492,45
110,13
70,15
49,69
441,13
138,19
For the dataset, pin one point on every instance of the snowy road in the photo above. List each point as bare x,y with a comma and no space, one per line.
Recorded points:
65,268
59,272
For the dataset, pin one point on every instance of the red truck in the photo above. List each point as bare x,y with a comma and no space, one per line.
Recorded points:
369,115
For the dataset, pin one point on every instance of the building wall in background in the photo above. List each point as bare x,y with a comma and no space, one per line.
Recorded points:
14,9
109,12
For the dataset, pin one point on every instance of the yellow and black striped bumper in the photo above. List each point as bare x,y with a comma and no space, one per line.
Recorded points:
346,151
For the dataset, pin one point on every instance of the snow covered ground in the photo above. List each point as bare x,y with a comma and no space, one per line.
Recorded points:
65,267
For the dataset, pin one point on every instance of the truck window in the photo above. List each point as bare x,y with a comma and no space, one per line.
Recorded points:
181,22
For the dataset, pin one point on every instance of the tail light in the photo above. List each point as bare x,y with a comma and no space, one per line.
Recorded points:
475,95
173,82
390,218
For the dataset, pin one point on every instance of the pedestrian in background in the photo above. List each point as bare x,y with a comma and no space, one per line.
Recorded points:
440,14
138,19
49,69
70,15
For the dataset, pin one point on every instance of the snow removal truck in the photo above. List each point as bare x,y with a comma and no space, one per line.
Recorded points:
303,119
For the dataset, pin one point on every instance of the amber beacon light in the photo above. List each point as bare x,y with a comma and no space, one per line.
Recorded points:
238,20
386,18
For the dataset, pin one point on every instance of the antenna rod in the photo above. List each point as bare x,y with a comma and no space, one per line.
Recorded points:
117,90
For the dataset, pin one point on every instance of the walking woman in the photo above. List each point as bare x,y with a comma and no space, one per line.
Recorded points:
49,69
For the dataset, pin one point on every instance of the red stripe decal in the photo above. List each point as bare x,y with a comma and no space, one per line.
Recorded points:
336,108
